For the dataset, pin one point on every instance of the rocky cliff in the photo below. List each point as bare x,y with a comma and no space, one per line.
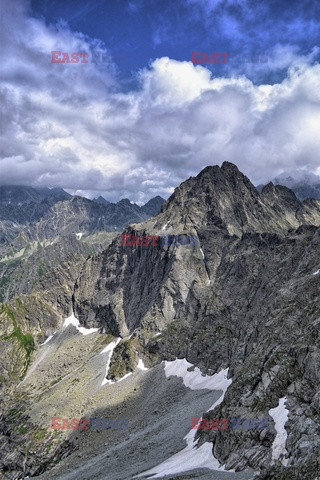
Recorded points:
247,299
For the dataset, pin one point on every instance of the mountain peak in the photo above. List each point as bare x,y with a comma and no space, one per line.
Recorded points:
230,167
124,201
101,200
224,198
217,173
153,206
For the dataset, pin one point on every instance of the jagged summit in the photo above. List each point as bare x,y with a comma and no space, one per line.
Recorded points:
225,196
229,166
124,201
272,192
101,200
153,206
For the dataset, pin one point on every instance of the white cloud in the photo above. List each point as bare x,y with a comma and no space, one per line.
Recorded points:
68,125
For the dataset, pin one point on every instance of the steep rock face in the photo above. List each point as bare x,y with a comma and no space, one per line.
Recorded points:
217,196
247,299
283,201
125,287
23,323
271,299
310,213
106,292
56,287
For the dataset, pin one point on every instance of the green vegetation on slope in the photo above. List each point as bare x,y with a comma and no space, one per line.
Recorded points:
23,344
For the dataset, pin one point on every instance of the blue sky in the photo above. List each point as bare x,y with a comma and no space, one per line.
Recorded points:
137,32
145,118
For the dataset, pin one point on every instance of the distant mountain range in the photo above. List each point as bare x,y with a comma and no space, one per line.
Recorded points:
42,227
303,184
19,194
25,205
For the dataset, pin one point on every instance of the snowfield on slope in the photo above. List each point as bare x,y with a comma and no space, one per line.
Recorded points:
72,320
191,457
280,417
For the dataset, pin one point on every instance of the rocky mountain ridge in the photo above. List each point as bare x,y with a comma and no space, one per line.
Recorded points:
246,300
42,232
252,284
234,210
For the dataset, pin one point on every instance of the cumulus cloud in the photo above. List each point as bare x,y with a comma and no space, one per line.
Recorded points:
70,125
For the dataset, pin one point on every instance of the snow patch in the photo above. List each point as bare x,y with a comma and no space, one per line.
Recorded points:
48,339
79,235
122,378
72,320
141,365
190,457
164,226
202,252
280,417
195,380
87,331
111,346
316,273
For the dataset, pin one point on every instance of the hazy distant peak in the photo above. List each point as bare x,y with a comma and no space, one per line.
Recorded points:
303,183
101,200
291,178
